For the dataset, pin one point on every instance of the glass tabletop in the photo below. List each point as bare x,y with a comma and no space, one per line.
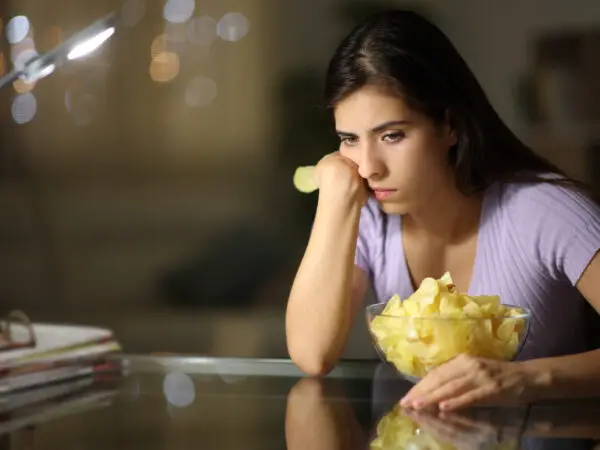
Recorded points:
179,402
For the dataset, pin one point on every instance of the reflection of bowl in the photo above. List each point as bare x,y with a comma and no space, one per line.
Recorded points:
416,345
403,429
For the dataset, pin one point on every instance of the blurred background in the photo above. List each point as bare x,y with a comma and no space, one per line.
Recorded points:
147,187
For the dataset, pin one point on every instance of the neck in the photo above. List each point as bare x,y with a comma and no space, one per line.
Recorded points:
449,217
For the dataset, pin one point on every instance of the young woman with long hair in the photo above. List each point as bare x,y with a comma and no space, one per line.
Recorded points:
428,179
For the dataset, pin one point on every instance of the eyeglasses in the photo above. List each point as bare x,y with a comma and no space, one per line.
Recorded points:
16,332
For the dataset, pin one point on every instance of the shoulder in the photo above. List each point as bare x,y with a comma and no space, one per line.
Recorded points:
548,209
557,225
549,200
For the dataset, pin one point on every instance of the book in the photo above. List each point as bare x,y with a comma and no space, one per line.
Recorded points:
33,354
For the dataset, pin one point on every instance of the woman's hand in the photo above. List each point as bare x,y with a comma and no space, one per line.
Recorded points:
337,177
467,380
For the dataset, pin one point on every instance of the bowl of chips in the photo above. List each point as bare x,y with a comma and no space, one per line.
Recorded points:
437,323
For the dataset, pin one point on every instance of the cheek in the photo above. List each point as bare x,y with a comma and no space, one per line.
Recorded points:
410,161
416,164
427,155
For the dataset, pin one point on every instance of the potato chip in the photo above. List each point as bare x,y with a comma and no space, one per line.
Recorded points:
437,323
304,179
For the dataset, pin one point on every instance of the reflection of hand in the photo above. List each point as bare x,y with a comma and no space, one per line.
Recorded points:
461,431
567,420
319,417
402,428
468,380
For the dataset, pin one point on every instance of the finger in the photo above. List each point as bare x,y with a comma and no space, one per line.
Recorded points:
331,155
468,424
451,389
440,375
469,398
478,431
417,391
437,422
440,432
459,420
474,416
444,431
436,427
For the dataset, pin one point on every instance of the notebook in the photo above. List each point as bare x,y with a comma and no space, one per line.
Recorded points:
36,354
55,343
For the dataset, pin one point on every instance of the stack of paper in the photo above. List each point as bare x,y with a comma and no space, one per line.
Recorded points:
62,353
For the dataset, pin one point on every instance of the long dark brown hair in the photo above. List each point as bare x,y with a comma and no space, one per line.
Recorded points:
406,53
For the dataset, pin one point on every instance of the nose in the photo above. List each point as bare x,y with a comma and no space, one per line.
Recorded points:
370,165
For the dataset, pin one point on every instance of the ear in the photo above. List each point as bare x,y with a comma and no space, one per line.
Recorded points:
449,129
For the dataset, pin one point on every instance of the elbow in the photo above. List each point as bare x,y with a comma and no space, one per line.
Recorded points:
314,357
316,367
312,363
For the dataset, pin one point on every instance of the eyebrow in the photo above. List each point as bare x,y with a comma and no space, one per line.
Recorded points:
378,128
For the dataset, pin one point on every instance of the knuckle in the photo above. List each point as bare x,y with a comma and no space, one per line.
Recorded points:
492,382
434,375
331,163
495,385
456,385
433,378
477,364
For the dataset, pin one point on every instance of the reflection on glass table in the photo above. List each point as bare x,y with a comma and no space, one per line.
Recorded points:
228,403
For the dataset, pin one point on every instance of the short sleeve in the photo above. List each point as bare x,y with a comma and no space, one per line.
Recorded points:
561,227
366,231
584,246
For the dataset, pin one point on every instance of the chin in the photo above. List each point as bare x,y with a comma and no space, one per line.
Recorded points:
393,208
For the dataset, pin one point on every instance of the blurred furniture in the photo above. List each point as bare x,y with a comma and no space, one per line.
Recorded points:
249,332
564,100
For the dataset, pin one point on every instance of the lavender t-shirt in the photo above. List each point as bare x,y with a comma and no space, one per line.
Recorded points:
534,242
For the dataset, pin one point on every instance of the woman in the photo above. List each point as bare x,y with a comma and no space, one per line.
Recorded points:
429,179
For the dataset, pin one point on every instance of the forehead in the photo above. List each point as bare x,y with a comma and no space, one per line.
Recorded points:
370,106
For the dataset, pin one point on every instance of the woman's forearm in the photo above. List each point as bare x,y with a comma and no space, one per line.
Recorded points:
320,420
572,376
318,317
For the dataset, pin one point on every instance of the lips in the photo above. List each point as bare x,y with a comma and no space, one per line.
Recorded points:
382,194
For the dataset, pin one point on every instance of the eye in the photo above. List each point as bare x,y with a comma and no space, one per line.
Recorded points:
349,140
393,137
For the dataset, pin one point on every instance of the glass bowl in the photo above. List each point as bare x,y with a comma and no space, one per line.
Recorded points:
416,345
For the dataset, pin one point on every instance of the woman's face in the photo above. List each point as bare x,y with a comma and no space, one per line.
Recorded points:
402,154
